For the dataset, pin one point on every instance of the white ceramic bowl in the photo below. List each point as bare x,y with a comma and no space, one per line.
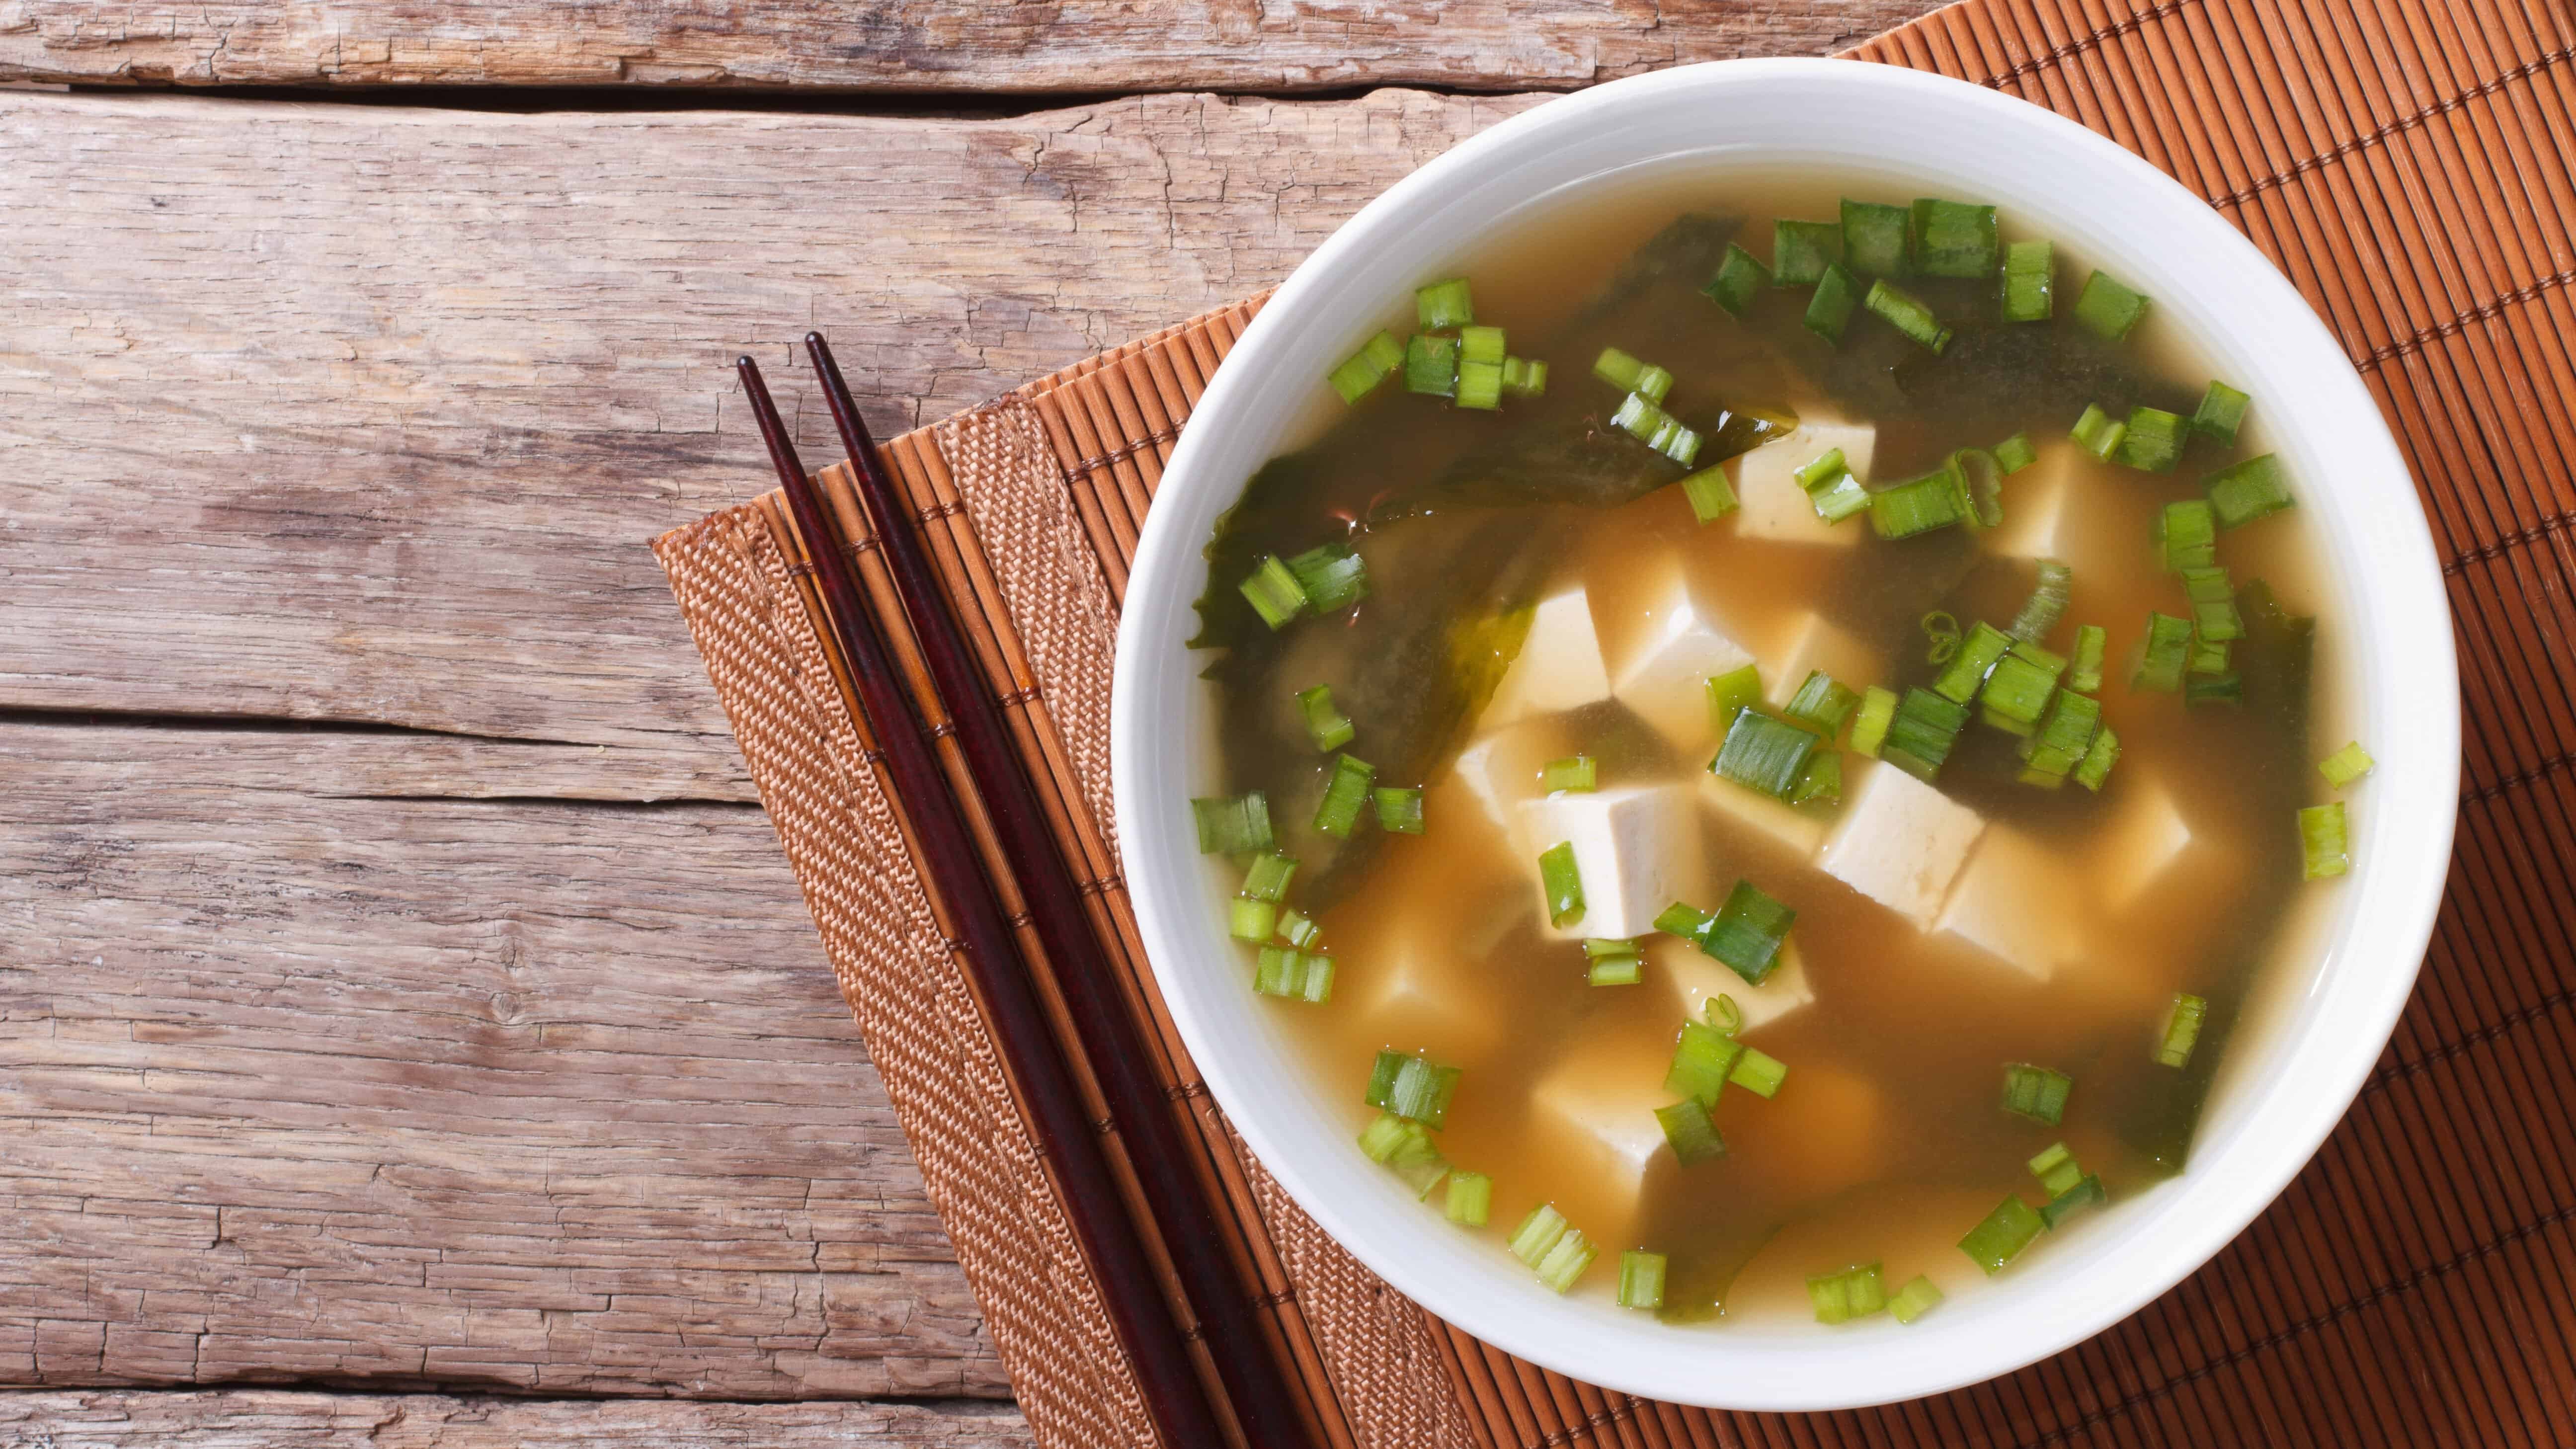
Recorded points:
2285,1083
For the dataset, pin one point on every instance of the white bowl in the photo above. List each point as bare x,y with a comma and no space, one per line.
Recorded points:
2284,1085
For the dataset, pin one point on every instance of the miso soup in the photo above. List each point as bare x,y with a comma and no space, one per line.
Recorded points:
1765,747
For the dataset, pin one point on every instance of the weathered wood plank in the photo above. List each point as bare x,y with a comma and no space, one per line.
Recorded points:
276,1419
1086,46
298,1086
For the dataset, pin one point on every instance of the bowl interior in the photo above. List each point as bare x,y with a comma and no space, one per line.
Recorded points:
2387,669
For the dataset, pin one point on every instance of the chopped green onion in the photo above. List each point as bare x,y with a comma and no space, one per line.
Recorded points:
1481,344
1361,372
2214,689
2098,760
2346,765
1431,365
1723,1013
1918,1297
2056,1169
1907,313
2188,530
1938,499
1333,575
1855,1292
1649,424
2019,687
2107,309
1822,781
2322,843
1759,1073
2083,1194
1829,310
1567,1261
1554,1249
2096,432
2061,740
1764,753
1954,239
1251,919
1691,1132
1471,1198
1630,375
2168,651
2030,281
1328,727
1574,772
2015,453
2153,441
1399,809
1231,826
1382,1074
2007,723
1480,385
2046,604
1274,592
1822,469
1747,931
1267,878
1711,496
1562,883
1422,1091
1524,377
1877,712
1822,703
1977,654
1600,947
1983,476
2035,1092
1801,250
2208,656
2247,491
1942,631
1874,238
1839,500
1317,987
2001,1237
2091,642
1339,811
1925,728
1702,1058
1731,693
2182,1031
1641,1279
1444,305
1297,930
1408,1150
1612,962
1286,971
2213,603
1738,277
2222,412
1538,1233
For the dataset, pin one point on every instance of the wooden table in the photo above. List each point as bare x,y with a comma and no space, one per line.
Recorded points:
409,1032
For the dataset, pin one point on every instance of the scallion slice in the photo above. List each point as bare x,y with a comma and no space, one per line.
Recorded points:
1874,238
2213,603
1422,1091
2188,532
1954,239
1747,931
1407,1150
1251,919
2035,1092
1317,988
1481,344
1723,1013
1614,971
2046,604
1869,728
1966,672
1471,1198
1759,1072
1333,575
1431,365
1328,727
2015,453
2098,760
1562,883
1938,499
1691,1132
2058,745
1444,306
1399,809
2085,673
2247,491
1764,753
1822,469
1382,1074
1801,250
1361,372
2323,846
2007,1230
2153,440
1854,1292
1822,703
1627,373
1829,310
1267,878
1480,386
2056,1169
1738,277
1982,474
2030,281
1711,496
1703,1056
1649,424
1839,499
2346,765
2222,412
2182,1030
1286,971
1233,825
1908,314
2084,1193
2107,309
2168,652
1574,772
1821,783
1551,1247
1273,592
1731,693
2208,656
2096,432
1925,728
1916,1298
1641,1279
1339,811
1538,1233
1297,930
1524,377
1565,1263
2019,687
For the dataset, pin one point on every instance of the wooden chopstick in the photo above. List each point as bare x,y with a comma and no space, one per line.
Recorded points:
1108,1033
1156,1344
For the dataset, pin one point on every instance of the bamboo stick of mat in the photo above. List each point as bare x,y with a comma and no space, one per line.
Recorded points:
1104,1026
1155,1344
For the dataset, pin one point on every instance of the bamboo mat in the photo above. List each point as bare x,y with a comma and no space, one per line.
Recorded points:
2407,164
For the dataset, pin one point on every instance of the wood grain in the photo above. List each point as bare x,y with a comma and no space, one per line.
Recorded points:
978,46
276,1419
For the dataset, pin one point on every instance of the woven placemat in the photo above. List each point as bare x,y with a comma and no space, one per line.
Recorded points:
2407,164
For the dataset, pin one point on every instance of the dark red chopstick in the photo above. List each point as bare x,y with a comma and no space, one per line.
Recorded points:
1110,1038
1154,1342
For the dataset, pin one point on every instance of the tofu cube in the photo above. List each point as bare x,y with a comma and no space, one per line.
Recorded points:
2018,902
1681,641
1636,848
1772,504
1692,978
1751,820
1815,642
1501,770
2147,836
1428,980
2039,503
1901,843
1593,1113
1559,666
